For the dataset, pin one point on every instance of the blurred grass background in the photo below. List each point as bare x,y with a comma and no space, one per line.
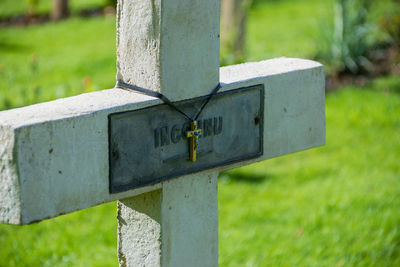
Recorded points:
10,7
332,206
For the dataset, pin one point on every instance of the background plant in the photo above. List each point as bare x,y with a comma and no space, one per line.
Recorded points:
390,21
32,6
346,43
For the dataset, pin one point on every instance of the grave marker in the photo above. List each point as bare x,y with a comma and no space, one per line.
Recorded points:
73,153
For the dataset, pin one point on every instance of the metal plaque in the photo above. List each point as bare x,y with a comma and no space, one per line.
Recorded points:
149,145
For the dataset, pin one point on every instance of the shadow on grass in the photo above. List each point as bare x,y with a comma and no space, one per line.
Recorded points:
12,47
246,178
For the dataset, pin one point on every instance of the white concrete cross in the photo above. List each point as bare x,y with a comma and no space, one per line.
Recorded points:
54,156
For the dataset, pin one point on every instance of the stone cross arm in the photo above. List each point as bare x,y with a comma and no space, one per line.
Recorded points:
54,156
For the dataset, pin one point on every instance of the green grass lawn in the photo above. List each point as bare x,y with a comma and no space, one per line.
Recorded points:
331,206
10,7
45,62
286,27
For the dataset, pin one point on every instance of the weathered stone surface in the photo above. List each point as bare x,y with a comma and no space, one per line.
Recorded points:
57,155
173,50
294,116
162,228
10,204
55,159
139,230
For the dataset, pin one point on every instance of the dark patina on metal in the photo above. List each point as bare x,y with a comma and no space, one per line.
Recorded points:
150,145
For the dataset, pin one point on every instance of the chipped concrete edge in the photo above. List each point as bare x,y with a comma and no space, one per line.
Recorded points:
10,195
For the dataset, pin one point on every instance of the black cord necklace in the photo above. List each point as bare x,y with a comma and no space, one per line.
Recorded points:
194,132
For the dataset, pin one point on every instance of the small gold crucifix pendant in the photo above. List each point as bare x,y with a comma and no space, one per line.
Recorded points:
193,135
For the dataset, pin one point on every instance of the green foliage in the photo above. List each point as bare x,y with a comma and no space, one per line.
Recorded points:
112,2
32,7
345,46
390,20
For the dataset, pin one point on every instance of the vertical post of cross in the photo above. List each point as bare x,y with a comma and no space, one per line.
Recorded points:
170,47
